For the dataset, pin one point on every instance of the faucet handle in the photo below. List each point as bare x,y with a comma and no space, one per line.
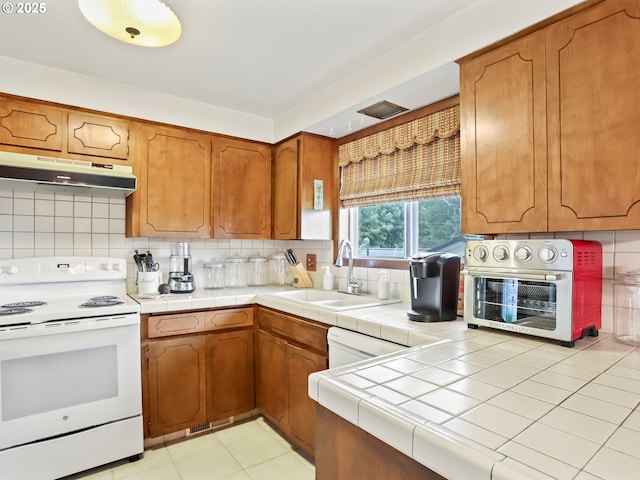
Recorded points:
353,287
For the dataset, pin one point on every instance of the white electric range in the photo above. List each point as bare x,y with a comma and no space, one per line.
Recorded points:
70,389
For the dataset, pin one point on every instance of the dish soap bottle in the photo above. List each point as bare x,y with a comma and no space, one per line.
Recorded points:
327,279
383,285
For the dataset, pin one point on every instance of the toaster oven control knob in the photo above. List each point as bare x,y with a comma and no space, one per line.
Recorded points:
523,253
501,253
548,254
480,253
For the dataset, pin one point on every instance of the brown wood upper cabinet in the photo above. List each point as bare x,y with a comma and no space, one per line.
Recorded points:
560,97
33,125
300,166
173,170
503,115
241,189
36,127
97,135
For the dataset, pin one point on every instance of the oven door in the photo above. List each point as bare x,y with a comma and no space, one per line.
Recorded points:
63,377
535,303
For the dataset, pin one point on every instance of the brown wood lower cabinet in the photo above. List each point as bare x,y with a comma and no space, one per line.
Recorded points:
190,377
177,392
289,348
229,374
346,451
271,377
203,366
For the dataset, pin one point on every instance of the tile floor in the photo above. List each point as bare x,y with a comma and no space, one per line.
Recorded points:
249,451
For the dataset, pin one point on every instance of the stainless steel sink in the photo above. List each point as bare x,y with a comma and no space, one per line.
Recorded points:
332,300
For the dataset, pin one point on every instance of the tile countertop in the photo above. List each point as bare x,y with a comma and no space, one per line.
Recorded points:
486,404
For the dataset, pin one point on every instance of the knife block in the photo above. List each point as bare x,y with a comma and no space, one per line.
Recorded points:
301,278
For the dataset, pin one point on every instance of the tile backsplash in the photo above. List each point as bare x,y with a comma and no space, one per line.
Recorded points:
44,220
41,220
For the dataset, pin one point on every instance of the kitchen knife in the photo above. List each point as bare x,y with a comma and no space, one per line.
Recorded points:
289,257
293,256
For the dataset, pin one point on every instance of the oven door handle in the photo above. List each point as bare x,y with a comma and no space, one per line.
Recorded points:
537,277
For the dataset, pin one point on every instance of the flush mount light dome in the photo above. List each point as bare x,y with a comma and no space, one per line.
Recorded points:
148,23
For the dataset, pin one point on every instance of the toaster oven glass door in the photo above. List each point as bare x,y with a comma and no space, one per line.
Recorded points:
522,302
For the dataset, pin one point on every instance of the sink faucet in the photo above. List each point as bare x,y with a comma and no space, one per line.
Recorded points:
353,286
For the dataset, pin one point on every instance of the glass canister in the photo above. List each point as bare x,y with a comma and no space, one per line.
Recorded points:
213,275
258,271
236,271
279,268
626,308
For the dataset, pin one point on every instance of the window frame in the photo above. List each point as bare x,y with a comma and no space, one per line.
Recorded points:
411,244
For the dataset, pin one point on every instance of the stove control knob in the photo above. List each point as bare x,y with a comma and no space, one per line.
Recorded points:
11,270
548,254
117,267
501,253
107,267
523,253
480,253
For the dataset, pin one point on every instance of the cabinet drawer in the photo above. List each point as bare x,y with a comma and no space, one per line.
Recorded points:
177,324
228,318
294,328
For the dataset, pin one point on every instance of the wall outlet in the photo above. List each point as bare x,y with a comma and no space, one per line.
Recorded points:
311,262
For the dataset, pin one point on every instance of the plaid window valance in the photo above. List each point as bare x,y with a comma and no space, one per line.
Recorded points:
418,160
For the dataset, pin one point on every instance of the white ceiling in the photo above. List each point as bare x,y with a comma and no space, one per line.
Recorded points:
285,65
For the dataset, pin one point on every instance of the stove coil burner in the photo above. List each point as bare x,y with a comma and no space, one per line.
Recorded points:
14,311
102,301
35,303
103,298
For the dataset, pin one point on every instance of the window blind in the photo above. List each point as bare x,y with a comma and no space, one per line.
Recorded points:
418,160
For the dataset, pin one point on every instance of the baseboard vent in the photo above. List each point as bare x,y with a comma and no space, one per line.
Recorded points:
209,426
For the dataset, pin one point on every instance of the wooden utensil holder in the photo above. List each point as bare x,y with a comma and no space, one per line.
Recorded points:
301,278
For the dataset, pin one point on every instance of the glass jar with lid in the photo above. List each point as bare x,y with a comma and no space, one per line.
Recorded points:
626,308
213,275
236,271
279,268
258,271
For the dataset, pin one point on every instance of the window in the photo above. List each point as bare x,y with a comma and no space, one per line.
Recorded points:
400,230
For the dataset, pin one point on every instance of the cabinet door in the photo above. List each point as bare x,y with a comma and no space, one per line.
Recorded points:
30,125
177,395
173,169
241,189
271,377
303,196
593,98
285,190
504,164
97,135
229,374
301,412
317,169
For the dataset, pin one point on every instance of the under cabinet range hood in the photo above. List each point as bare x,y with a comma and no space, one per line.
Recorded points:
17,167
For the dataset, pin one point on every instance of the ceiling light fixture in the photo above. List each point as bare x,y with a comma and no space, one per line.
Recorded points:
148,23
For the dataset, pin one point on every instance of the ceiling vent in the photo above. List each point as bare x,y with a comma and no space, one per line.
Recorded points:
382,110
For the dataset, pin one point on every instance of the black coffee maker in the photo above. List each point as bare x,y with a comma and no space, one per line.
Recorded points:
435,279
